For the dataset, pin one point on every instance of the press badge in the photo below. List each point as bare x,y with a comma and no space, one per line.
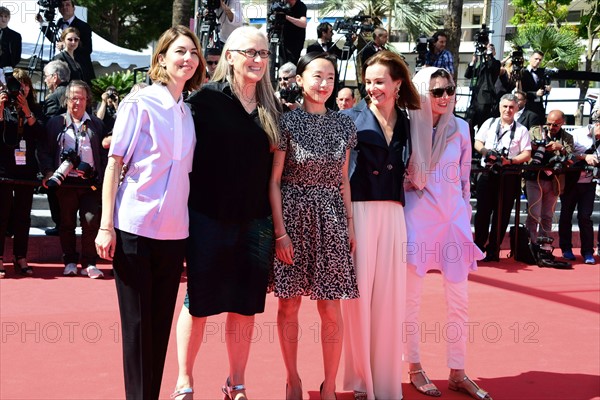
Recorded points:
20,153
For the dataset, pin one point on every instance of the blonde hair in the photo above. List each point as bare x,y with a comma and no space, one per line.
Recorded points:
269,108
159,74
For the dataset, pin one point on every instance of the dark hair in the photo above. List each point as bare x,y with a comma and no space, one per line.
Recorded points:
310,57
212,51
521,93
22,76
541,53
322,28
77,84
377,32
346,87
437,35
441,73
408,97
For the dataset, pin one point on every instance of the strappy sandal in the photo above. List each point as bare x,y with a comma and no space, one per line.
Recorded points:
459,386
229,390
428,388
186,393
358,395
21,267
2,270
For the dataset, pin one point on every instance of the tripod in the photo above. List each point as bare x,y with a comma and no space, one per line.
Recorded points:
277,57
348,56
37,62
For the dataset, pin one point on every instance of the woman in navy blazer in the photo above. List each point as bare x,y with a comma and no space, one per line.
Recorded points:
373,323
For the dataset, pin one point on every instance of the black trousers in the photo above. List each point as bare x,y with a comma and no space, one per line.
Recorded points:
147,275
581,195
489,206
18,200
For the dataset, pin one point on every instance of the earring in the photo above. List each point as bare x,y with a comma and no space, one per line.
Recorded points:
398,93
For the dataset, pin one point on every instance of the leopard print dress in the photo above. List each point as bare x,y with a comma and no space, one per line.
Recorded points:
313,208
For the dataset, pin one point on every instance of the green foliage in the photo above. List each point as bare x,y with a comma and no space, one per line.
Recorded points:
122,81
561,47
131,24
540,13
414,16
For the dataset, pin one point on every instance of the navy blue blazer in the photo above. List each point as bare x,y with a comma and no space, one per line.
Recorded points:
376,168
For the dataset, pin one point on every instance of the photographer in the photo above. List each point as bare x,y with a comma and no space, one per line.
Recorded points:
533,82
501,142
483,70
580,190
84,50
10,41
21,131
288,91
73,153
230,17
438,56
543,187
294,30
107,109
380,38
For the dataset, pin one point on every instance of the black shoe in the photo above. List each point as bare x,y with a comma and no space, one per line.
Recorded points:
51,232
491,257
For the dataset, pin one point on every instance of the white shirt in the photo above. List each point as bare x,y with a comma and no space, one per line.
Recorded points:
487,135
78,139
583,139
229,26
155,136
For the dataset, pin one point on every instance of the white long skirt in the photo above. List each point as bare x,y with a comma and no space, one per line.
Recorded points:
373,323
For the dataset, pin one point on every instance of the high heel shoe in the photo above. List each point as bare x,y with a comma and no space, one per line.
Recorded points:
228,390
2,270
428,388
286,390
21,267
321,391
461,386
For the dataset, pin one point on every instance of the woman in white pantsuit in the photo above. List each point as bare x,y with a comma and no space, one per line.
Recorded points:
438,216
373,323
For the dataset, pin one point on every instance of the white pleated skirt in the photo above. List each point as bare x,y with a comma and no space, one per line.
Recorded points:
373,343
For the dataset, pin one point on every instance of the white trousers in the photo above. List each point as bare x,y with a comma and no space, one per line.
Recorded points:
373,323
454,332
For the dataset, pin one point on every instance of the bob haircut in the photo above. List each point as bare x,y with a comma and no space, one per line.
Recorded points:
77,84
70,29
159,74
408,97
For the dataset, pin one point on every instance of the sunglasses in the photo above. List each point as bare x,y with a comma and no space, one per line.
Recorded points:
439,92
554,125
212,62
284,78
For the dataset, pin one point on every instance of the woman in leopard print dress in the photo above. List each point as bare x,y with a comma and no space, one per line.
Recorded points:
314,237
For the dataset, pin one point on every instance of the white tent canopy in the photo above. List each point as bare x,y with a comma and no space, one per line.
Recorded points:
22,20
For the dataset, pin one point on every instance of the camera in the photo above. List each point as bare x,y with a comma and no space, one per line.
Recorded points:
493,160
517,61
48,9
276,18
354,25
290,94
543,249
559,162
12,87
112,94
421,49
482,38
69,160
538,155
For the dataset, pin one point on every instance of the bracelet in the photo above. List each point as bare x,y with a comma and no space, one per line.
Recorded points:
281,237
104,229
28,116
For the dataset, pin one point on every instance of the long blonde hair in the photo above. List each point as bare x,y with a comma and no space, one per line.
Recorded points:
268,106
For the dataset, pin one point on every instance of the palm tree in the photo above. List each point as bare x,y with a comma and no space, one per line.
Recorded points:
182,12
561,47
415,16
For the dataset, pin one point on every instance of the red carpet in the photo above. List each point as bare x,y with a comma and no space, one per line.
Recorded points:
535,335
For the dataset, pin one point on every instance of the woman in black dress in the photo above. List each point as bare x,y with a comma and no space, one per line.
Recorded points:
231,234
70,39
20,133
